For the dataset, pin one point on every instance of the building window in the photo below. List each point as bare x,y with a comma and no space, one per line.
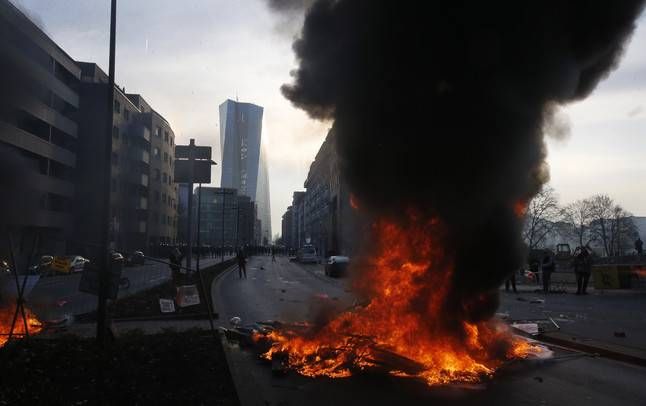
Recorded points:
168,221
157,175
156,152
164,177
115,158
157,196
170,181
158,132
164,197
126,114
114,185
117,107
171,141
115,132
166,136
165,156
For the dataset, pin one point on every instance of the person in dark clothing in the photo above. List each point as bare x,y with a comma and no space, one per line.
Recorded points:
242,264
547,266
511,280
639,246
273,254
582,269
175,258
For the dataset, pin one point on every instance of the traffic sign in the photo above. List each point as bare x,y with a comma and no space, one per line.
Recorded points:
182,151
201,171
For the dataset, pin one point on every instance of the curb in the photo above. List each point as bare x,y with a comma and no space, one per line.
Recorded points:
616,352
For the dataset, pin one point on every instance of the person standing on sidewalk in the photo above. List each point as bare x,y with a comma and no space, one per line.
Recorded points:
582,269
242,263
547,266
639,246
511,280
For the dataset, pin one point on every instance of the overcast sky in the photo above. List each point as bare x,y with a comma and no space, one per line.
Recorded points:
187,57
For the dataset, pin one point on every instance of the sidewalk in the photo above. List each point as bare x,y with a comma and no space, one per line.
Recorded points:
613,318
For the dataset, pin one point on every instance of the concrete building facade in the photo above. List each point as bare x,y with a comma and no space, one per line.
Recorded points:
39,134
143,202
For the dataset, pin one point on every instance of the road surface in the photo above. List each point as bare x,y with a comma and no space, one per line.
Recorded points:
58,298
292,292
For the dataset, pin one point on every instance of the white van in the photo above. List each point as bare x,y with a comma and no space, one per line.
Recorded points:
307,254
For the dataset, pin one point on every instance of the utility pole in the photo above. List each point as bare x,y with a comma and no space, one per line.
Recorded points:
199,211
191,160
224,200
104,254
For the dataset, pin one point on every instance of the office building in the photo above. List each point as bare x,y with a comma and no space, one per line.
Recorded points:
39,134
143,198
244,165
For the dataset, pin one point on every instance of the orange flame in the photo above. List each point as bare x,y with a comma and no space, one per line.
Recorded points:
408,282
6,316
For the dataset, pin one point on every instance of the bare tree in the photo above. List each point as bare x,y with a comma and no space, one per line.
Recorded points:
540,217
622,231
578,216
602,212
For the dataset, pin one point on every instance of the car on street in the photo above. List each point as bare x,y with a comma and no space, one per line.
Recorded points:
76,263
336,266
136,258
307,255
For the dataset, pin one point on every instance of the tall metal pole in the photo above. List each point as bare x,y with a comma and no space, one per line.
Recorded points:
224,200
104,255
191,158
199,210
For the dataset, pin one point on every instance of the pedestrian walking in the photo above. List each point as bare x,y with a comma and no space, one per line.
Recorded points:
175,258
639,246
582,270
547,266
273,254
242,263
511,281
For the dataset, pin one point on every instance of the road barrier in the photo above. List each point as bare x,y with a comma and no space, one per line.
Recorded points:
618,276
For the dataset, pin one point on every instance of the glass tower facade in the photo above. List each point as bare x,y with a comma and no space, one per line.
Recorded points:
244,165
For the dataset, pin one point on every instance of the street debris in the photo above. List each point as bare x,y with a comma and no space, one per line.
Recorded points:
537,300
166,305
620,334
187,295
529,328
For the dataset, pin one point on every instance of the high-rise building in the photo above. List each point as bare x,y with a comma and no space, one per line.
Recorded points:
143,197
38,134
244,165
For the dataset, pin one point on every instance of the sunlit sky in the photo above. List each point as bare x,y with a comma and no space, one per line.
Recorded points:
187,57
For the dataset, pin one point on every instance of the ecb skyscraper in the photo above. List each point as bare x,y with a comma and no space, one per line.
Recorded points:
244,165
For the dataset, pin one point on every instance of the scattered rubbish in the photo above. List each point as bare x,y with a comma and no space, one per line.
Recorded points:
538,378
537,300
553,322
321,296
521,299
503,316
283,290
621,334
167,305
529,328
187,295
262,268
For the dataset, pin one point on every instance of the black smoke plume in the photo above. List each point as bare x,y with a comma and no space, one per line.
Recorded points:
440,106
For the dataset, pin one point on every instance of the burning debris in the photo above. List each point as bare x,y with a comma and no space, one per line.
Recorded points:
445,106
391,334
9,316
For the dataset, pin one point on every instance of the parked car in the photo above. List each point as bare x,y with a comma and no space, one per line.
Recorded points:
336,266
43,265
77,263
117,257
307,254
137,258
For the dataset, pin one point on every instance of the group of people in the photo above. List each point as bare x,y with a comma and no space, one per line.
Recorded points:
582,264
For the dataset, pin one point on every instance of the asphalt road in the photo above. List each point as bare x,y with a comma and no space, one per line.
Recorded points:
58,298
598,315
292,292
